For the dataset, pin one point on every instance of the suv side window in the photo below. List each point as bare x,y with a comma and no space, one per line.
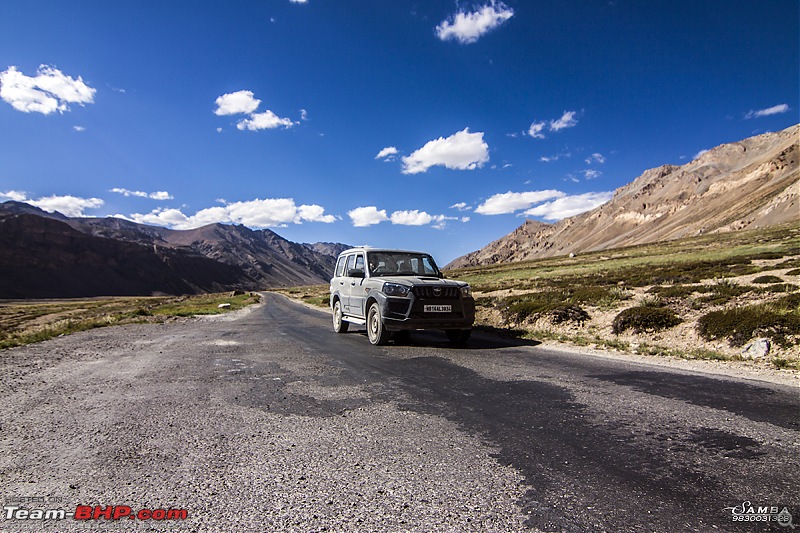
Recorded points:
359,262
340,267
351,264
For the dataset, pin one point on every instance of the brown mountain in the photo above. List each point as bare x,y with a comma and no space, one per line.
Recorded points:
50,255
748,184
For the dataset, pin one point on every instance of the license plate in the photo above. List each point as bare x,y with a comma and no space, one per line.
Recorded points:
438,308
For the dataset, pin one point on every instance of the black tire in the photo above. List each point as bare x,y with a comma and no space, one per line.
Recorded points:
458,336
375,329
339,325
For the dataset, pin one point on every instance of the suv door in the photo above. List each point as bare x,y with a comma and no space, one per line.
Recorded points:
356,292
345,286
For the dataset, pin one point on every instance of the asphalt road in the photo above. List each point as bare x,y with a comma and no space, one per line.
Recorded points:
268,421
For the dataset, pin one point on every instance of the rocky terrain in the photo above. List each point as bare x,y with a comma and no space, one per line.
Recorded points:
749,184
45,255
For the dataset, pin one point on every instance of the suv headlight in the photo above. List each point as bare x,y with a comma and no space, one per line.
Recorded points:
395,289
466,291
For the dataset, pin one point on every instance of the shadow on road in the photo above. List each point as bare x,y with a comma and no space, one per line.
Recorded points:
483,339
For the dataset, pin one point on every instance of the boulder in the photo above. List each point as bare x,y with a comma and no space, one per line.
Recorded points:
757,349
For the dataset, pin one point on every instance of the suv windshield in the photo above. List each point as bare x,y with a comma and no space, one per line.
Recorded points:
401,264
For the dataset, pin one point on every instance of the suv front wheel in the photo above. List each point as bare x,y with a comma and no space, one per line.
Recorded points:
339,325
375,329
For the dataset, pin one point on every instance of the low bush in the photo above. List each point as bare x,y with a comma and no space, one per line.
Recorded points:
780,321
794,272
644,319
763,280
672,291
568,313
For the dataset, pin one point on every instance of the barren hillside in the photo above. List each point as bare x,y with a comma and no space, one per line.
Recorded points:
748,184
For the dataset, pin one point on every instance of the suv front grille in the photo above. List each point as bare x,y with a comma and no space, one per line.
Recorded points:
436,292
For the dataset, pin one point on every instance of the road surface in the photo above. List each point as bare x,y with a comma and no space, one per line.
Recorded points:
266,420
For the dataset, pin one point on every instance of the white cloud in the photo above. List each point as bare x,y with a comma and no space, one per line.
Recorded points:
509,202
298,1
71,206
591,174
536,129
49,91
78,128
595,158
17,196
460,151
264,121
387,153
367,216
567,120
411,218
270,212
461,206
569,206
774,110
303,114
238,103
469,27
158,195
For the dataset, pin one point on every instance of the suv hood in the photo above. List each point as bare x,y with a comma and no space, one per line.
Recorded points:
411,281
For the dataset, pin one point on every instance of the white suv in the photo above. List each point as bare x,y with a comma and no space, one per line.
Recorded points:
396,291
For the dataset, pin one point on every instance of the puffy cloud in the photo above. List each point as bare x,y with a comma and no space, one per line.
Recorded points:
569,206
269,212
567,120
158,195
49,91
536,129
774,110
411,218
460,151
367,216
595,158
387,153
509,202
467,27
71,206
238,103
264,121
244,103
461,206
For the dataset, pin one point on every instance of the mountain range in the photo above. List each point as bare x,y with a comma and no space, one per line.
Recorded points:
747,184
44,255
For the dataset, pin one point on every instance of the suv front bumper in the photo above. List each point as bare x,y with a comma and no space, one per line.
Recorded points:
408,313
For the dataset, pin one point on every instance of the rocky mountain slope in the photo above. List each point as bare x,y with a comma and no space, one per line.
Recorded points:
748,184
49,255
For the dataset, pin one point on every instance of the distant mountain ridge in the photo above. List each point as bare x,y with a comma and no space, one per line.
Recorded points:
747,184
46,255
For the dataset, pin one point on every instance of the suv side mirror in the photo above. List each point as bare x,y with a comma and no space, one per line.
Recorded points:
356,273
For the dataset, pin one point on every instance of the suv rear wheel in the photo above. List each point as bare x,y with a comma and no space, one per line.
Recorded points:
458,336
375,330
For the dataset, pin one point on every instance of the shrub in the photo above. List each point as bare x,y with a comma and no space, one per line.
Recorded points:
674,291
722,291
794,272
741,324
643,319
763,280
568,313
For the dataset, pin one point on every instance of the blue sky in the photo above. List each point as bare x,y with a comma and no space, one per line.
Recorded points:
434,125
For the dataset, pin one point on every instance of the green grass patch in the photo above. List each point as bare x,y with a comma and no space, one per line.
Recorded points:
30,321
